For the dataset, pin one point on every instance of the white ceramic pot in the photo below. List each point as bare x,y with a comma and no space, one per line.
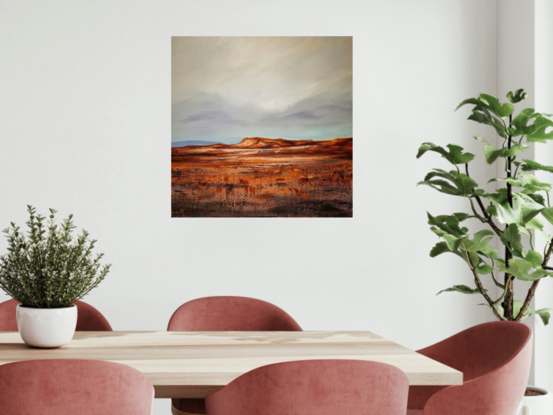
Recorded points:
46,327
536,405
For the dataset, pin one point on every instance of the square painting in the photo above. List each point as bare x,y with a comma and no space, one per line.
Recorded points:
261,127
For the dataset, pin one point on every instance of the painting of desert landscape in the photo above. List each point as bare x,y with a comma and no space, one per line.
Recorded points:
261,127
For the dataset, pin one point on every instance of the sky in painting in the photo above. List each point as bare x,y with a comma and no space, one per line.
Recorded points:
228,88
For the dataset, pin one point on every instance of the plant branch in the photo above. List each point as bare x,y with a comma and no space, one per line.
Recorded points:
482,290
487,216
534,286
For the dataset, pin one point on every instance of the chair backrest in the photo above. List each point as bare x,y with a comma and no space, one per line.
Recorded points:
482,348
88,318
314,387
8,321
231,314
495,359
69,387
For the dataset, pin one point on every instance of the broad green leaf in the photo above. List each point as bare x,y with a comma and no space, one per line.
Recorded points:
473,101
531,165
478,192
544,315
536,197
438,249
543,312
527,181
493,104
499,198
548,214
489,252
483,116
511,238
442,186
492,210
536,275
461,216
484,106
541,130
455,154
513,151
438,173
482,139
522,213
486,102
519,124
451,241
535,258
461,289
478,236
484,269
516,96
449,225
464,183
517,306
529,212
478,244
535,126
456,184
452,221
519,268
533,224
470,245
491,154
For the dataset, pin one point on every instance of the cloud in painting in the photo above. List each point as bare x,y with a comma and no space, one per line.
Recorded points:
227,88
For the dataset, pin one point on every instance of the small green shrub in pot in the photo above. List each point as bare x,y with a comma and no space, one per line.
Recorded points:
47,268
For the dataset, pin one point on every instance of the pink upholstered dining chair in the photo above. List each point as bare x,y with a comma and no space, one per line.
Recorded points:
88,318
71,387
495,360
314,387
225,314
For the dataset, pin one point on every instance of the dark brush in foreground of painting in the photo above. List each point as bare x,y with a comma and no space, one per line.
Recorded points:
261,177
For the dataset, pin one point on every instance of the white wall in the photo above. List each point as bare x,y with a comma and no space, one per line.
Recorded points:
85,128
544,155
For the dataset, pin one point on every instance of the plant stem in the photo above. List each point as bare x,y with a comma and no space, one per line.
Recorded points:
509,294
487,216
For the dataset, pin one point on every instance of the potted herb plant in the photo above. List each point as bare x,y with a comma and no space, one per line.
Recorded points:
47,270
512,214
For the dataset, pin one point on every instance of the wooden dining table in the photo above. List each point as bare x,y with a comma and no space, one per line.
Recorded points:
195,364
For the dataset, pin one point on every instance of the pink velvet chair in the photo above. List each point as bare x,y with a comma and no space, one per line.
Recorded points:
88,318
495,360
225,314
73,387
314,387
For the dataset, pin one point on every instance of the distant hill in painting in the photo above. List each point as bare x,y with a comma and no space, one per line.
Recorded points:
192,143
263,177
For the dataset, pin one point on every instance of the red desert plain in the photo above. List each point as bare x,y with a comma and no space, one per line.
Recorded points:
262,177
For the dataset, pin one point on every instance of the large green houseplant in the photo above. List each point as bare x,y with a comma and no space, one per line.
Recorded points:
46,269
511,214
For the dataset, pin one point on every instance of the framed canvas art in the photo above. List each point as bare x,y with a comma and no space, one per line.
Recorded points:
262,127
